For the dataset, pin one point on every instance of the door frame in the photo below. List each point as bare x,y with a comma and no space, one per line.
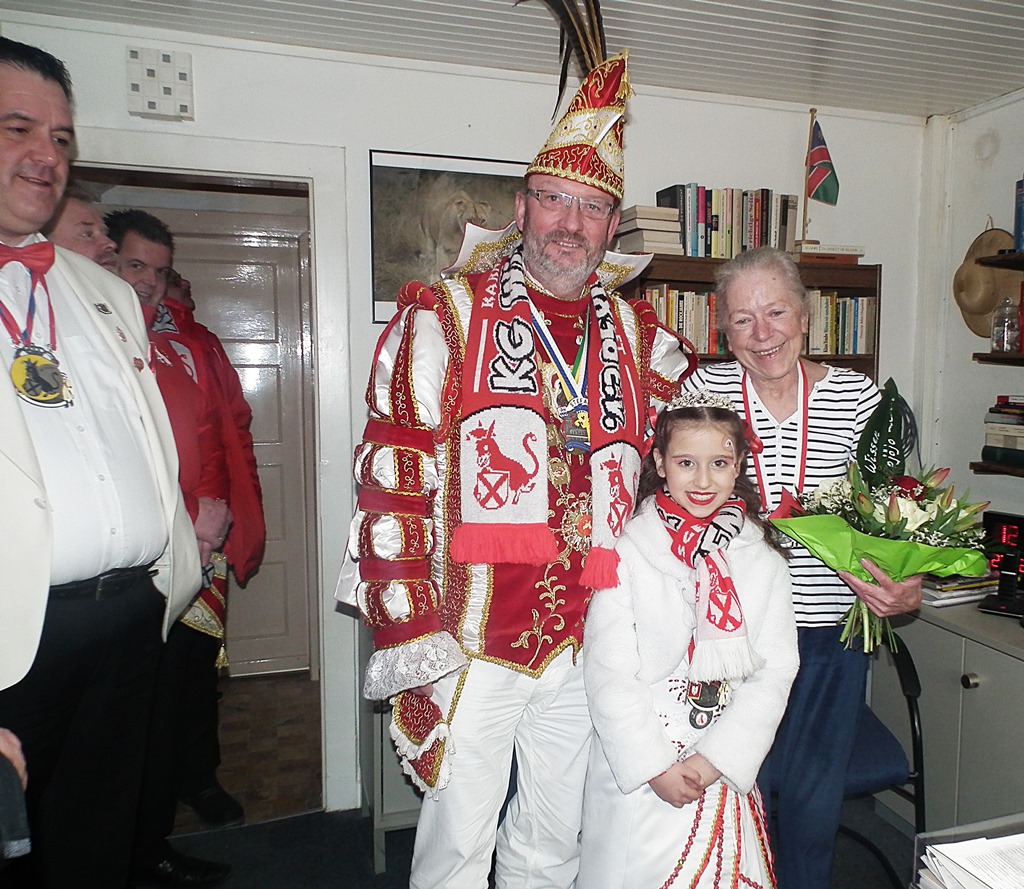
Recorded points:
323,169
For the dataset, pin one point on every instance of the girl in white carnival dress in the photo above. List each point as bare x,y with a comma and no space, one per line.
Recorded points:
688,663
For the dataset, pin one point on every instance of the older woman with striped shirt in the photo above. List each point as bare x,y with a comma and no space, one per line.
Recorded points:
808,418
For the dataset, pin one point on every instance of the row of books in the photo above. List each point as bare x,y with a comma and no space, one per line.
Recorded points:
839,325
691,313
1004,431
721,223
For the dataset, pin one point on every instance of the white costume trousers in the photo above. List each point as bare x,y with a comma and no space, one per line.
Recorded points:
547,722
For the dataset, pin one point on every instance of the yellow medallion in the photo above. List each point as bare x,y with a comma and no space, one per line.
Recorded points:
38,379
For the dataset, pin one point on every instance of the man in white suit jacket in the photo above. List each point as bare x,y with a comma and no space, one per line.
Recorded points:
77,650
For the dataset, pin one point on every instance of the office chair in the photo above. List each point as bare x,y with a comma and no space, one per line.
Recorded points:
879,761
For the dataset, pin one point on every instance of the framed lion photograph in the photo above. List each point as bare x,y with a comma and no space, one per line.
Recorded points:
419,207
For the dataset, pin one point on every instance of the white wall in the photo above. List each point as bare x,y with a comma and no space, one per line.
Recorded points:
986,150
278,111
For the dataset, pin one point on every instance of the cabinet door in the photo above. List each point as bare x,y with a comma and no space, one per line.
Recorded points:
992,736
938,655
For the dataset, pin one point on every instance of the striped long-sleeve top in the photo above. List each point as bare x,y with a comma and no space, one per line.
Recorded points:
838,408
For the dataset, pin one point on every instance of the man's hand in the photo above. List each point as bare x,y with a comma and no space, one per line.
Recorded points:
889,597
10,747
213,521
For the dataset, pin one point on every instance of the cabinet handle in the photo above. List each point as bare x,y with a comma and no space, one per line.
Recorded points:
970,680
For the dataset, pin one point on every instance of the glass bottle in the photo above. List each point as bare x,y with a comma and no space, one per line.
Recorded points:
1006,328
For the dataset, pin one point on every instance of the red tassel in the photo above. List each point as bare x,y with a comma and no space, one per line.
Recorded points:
515,544
601,569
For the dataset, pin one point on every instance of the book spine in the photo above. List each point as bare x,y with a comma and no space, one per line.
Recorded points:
870,306
1005,456
713,323
670,196
766,213
1002,419
1004,428
755,238
726,238
737,222
691,218
847,249
701,220
792,205
1014,441
716,223
748,220
1018,216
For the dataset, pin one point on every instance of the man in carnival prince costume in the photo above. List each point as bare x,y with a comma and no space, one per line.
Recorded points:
508,405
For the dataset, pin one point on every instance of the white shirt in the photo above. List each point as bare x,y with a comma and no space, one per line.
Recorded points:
93,455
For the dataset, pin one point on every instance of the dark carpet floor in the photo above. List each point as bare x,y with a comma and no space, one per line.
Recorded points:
334,851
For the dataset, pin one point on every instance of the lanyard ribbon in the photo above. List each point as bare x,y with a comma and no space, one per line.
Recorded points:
574,380
786,500
38,260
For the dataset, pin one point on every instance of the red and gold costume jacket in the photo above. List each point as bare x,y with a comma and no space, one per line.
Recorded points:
429,612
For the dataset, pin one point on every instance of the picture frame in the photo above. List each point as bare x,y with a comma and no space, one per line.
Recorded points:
419,207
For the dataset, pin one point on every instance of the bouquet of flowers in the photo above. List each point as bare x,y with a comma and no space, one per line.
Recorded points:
905,524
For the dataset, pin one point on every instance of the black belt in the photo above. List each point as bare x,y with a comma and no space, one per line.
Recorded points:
102,586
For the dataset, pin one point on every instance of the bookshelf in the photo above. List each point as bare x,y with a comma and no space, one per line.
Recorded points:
1007,359
1013,261
850,280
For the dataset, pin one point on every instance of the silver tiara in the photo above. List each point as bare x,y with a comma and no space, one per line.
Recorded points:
700,398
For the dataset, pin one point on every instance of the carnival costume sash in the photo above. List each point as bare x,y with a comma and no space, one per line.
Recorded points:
719,648
503,431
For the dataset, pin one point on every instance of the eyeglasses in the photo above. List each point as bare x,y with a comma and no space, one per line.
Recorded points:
553,201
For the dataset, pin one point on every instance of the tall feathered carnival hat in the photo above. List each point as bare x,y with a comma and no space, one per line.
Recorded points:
586,144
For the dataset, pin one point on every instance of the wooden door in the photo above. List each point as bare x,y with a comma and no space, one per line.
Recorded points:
249,275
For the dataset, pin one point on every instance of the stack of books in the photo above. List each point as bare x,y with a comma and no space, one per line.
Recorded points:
1004,432
720,223
841,325
648,230
827,254
942,591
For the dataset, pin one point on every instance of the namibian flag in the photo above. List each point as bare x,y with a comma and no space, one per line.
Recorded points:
822,181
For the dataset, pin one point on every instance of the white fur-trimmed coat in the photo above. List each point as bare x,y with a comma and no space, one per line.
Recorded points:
638,632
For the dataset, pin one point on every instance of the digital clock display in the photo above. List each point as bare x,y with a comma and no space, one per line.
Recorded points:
1002,535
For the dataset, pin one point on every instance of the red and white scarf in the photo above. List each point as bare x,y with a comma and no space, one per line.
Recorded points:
503,431
719,648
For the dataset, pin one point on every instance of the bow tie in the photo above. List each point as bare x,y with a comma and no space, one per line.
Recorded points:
37,258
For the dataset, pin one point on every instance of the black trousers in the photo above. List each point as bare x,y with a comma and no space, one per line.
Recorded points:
82,712
185,705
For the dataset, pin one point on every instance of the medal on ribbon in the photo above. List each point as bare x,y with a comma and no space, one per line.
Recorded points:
571,397
35,371
37,377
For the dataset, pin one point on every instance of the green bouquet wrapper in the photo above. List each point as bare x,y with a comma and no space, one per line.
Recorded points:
831,539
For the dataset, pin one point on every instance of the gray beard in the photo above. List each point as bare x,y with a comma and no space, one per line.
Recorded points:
555,277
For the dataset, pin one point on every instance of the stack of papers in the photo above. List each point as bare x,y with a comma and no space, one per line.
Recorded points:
939,592
974,864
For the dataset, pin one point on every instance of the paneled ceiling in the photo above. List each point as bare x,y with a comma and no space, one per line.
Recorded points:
916,57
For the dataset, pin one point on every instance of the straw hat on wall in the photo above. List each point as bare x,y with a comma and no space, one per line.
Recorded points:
978,289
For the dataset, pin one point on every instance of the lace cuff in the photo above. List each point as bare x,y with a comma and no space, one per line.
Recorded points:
416,663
